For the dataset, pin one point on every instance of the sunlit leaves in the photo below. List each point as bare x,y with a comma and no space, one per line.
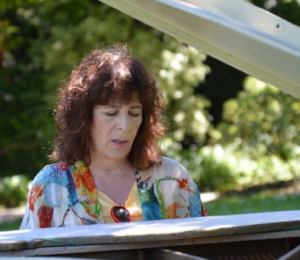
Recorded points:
262,115
266,121
181,71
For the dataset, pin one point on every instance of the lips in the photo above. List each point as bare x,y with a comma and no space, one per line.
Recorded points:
120,143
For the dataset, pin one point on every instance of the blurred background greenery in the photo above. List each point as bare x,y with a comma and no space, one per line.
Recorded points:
232,132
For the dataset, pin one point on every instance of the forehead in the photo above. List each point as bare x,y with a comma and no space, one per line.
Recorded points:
131,104
134,100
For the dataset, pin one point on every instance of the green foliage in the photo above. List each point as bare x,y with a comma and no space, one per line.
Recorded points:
13,190
226,168
181,71
264,120
214,169
259,140
40,43
210,167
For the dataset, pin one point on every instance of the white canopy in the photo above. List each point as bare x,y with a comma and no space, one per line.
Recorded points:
233,31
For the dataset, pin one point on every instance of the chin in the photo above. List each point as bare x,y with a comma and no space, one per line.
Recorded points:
119,156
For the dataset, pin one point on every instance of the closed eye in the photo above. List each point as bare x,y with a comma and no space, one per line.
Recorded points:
134,114
111,114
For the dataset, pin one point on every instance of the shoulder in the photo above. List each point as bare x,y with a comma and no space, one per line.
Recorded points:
171,167
170,163
52,173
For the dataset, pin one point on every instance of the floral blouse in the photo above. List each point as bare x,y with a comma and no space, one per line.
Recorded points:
65,195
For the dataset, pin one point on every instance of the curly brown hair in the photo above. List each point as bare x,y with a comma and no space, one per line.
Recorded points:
107,75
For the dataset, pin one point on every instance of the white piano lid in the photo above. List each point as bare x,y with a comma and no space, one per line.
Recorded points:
233,31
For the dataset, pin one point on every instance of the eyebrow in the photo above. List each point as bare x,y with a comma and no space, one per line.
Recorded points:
136,106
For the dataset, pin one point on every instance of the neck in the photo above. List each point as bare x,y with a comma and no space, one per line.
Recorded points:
118,168
113,180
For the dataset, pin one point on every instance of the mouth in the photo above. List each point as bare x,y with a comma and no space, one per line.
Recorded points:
120,143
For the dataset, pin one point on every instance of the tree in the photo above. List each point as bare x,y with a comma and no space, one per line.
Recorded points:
40,43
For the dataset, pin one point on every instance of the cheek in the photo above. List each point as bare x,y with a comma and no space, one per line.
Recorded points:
96,130
99,125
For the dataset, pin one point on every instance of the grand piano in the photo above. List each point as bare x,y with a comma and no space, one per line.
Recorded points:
271,235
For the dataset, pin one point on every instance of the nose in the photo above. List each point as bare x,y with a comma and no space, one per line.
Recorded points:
124,123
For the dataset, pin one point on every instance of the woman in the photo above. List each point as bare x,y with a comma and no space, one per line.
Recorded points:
110,167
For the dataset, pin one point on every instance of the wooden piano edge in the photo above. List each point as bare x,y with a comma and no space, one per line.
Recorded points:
64,250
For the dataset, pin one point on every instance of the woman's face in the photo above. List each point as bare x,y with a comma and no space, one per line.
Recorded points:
114,129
